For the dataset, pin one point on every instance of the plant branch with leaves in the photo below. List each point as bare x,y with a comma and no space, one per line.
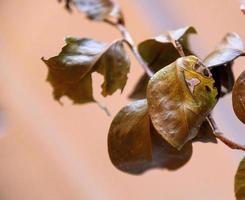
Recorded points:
177,92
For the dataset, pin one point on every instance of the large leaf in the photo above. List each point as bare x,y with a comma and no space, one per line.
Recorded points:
238,97
240,181
70,71
97,9
159,52
221,60
134,145
180,96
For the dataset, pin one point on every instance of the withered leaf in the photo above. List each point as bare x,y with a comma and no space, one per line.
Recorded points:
159,52
205,134
240,181
134,145
221,61
180,96
70,71
97,9
238,97
224,78
229,49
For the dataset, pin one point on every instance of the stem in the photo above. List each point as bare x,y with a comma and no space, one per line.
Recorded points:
129,40
218,135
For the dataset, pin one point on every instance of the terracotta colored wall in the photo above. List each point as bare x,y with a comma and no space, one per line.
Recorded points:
50,152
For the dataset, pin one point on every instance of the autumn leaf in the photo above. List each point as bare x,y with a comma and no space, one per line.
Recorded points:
159,52
98,10
238,97
240,181
70,71
221,60
180,96
134,145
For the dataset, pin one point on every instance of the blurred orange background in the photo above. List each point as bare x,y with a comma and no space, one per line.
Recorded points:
53,152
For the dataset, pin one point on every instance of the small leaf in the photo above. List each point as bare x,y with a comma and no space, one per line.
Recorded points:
70,71
205,134
98,10
180,96
238,97
229,49
159,52
134,145
240,181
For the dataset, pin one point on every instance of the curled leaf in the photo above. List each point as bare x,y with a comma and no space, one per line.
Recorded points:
70,71
240,181
238,97
134,145
98,10
221,60
180,96
229,49
159,52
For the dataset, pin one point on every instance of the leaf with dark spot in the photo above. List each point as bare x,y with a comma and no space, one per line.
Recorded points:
70,71
176,111
134,145
238,97
159,52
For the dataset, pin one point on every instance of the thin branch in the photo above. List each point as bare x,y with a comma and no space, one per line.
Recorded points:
223,139
129,40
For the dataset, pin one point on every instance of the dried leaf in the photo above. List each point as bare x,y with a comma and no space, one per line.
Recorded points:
159,52
238,97
134,145
229,49
180,96
224,78
205,134
70,71
240,181
98,10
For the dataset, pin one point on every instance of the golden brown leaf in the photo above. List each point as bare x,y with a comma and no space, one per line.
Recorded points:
238,97
179,99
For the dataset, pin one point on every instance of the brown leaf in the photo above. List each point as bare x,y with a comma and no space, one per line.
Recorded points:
224,78
134,145
240,181
229,49
238,97
98,10
180,96
70,71
159,52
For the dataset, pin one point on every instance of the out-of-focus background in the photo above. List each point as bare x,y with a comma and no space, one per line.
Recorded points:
53,152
